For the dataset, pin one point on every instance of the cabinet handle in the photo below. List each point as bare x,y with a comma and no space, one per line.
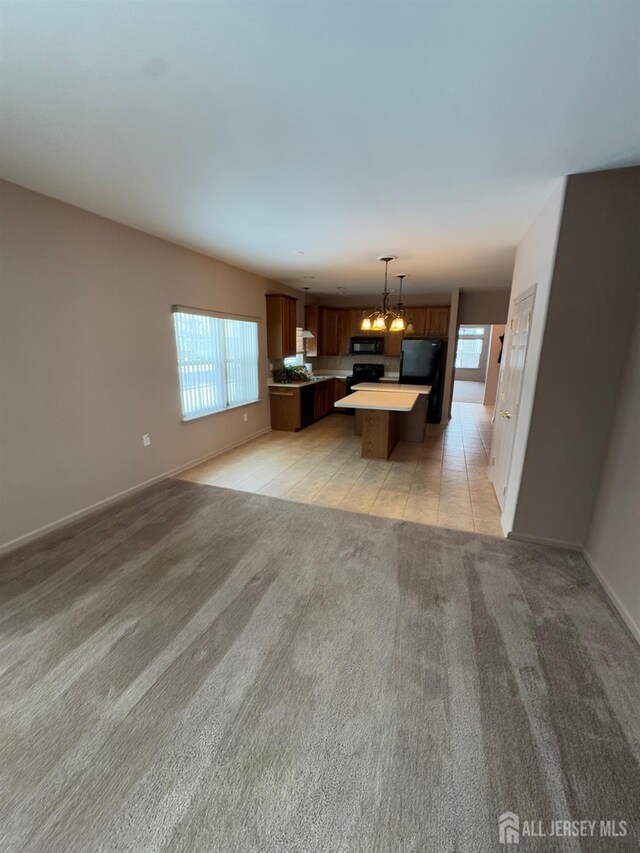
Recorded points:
282,394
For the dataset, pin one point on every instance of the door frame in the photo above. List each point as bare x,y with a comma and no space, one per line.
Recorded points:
530,292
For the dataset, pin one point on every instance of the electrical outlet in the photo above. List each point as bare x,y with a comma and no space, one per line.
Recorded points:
246,417
146,439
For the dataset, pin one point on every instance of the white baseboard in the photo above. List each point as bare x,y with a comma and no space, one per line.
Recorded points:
541,540
627,618
112,499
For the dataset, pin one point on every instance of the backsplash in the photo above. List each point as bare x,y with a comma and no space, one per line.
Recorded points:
346,362
342,364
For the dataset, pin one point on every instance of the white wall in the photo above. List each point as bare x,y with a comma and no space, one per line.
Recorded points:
613,541
87,359
534,264
588,325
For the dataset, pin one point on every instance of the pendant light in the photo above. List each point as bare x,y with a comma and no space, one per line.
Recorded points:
377,320
398,324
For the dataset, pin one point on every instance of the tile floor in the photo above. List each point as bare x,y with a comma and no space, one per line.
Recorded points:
468,392
442,481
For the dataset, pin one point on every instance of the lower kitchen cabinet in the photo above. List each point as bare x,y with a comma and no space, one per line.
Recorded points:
323,399
339,391
286,413
294,407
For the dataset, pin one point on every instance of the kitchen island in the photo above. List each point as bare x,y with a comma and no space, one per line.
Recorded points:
387,413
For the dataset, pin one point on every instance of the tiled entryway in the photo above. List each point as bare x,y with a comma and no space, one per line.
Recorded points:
442,481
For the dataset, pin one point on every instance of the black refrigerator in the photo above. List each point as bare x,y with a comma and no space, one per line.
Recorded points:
422,362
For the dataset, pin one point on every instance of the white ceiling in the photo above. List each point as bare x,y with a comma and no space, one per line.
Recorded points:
254,131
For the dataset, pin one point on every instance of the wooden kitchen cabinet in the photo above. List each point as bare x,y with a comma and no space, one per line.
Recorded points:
286,412
339,390
323,402
312,323
438,322
393,344
357,317
345,331
333,329
296,406
329,343
428,322
418,318
281,325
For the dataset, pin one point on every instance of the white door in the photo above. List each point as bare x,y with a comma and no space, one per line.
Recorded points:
514,355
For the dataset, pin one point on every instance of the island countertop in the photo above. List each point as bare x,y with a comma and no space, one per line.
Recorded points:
392,388
400,401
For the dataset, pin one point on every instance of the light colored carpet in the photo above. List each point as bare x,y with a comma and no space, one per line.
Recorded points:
468,392
199,669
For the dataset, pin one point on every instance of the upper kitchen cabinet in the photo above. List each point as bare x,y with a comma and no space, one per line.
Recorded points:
312,324
281,325
332,329
418,319
393,344
346,326
329,343
428,322
437,325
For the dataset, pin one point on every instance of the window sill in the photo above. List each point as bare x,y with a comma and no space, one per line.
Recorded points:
220,411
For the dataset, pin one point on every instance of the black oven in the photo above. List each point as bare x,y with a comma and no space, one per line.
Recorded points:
367,346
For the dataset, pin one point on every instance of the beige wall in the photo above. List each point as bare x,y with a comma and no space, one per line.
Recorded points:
588,326
483,307
613,540
87,359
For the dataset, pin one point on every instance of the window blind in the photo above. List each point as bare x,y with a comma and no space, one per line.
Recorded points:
217,361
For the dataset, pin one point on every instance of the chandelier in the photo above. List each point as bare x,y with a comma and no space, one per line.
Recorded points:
378,319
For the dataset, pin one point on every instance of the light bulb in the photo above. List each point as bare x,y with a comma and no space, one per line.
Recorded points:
379,323
365,326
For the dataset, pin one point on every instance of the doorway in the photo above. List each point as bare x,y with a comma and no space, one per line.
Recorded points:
470,366
477,364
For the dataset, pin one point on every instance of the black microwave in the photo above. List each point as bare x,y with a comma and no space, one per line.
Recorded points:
367,346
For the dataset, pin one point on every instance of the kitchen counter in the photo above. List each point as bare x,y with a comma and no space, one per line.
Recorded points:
315,381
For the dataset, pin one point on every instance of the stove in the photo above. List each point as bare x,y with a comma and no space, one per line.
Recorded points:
363,372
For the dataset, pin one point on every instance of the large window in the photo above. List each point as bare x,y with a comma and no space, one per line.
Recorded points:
470,345
217,361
